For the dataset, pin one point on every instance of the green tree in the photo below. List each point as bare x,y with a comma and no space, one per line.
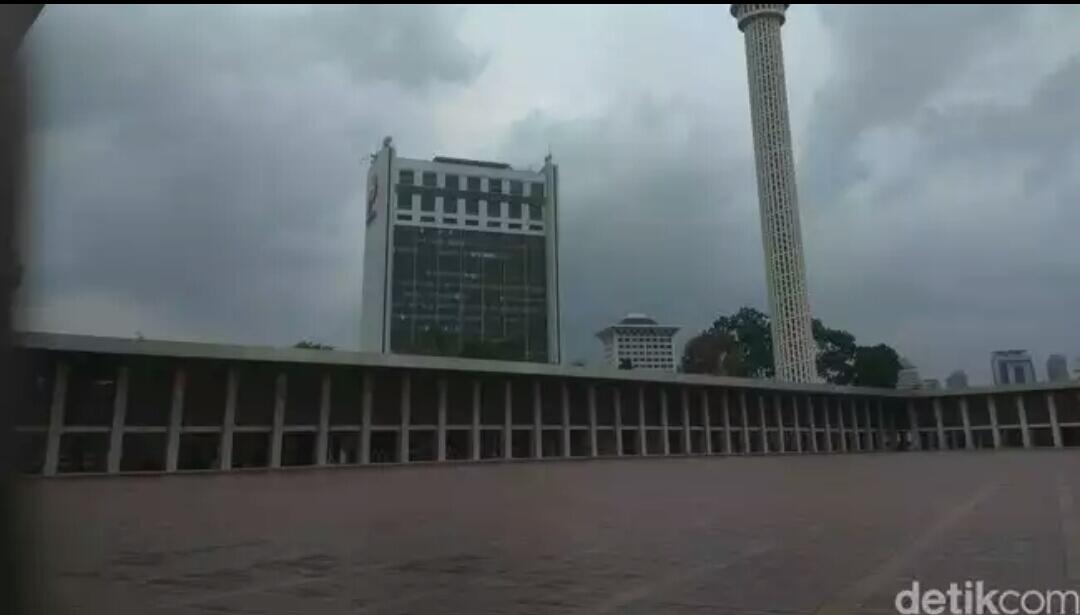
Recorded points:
876,366
751,331
836,354
713,353
741,345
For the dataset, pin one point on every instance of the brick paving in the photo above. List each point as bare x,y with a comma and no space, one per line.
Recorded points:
780,534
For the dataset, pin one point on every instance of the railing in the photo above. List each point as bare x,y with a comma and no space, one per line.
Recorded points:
106,405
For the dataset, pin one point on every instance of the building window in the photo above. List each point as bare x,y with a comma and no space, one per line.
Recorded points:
474,184
472,207
535,213
449,205
451,182
472,223
430,179
406,217
405,177
494,209
537,190
515,210
535,227
495,185
514,226
494,224
427,202
449,220
427,218
516,187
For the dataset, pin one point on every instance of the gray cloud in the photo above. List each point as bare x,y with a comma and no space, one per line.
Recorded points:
202,166
199,171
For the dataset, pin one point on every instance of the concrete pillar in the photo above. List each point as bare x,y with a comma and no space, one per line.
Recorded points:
440,433
279,420
642,429
474,437
942,445
913,426
868,428
565,393
855,425
56,419
707,422
593,450
882,440
745,424
726,410
229,423
687,442
1025,432
116,432
779,423
176,418
828,425
991,407
365,417
813,424
322,436
840,427
666,445
797,423
406,417
616,400
965,416
538,423
764,431
1055,426
508,420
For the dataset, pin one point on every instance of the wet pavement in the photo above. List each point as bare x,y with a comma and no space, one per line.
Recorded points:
779,534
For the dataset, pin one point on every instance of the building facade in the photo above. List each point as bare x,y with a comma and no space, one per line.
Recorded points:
461,259
908,377
108,405
1057,368
639,342
794,348
1012,367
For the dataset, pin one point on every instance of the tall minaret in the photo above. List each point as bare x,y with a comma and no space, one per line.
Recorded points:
794,350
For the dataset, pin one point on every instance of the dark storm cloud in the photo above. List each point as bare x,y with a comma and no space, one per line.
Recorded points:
889,60
202,166
199,170
656,216
962,243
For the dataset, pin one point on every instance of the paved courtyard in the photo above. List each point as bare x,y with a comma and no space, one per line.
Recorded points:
798,534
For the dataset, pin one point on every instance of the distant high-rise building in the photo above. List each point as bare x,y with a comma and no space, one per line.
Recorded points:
908,376
794,348
1057,368
1012,367
639,342
461,259
957,380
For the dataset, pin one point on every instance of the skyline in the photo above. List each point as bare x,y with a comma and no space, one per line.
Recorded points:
920,204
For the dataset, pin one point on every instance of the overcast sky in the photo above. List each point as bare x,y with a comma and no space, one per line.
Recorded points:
199,172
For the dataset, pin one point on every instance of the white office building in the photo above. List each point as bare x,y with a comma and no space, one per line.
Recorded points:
1012,367
1057,368
639,342
461,259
